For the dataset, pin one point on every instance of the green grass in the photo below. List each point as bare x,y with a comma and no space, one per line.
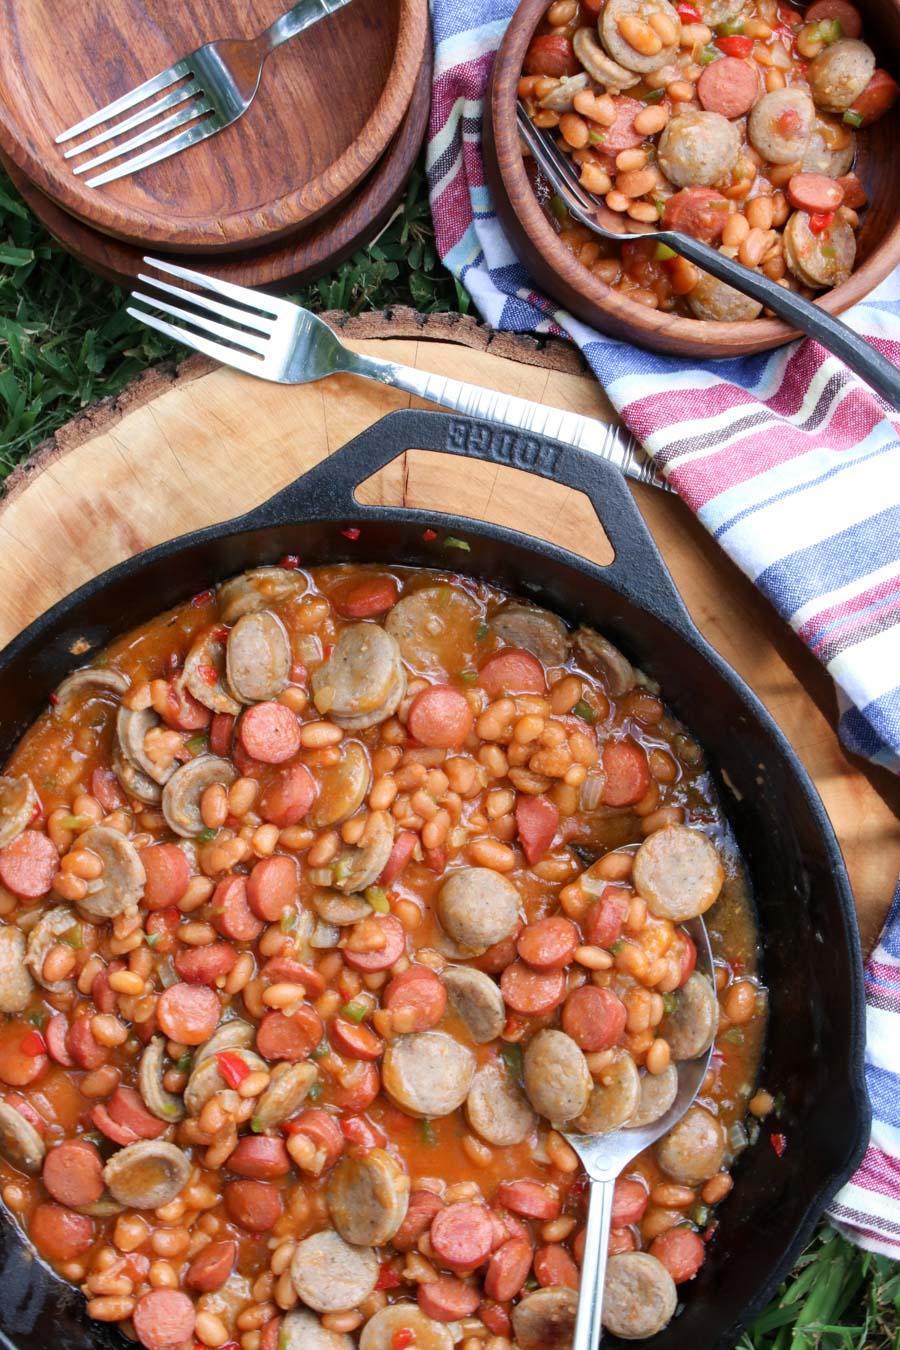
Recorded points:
66,342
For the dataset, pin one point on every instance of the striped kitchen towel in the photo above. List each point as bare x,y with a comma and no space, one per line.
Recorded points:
790,462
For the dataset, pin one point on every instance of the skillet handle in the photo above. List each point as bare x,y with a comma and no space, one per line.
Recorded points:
328,492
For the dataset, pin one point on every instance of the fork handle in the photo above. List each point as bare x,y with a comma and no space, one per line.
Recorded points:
593,1265
602,438
831,332
297,19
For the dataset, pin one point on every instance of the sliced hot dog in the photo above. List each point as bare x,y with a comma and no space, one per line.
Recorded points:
357,1091
605,918
126,1107
381,957
447,1299
212,1266
55,1033
729,86
163,1317
417,998
73,1173
290,1038
254,1205
113,1129
594,1018
440,717
29,864
366,598
205,965
512,671
221,731
272,886
60,1234
462,1235
548,944
813,192
622,135
681,1251
701,212
529,1199
508,1269
83,1046
188,1013
532,991
854,193
105,787
537,820
630,1199
403,849
324,1132
551,54
287,798
877,98
294,972
263,1157
553,1266
846,14
231,912
168,875
359,1042
627,773
423,1206
270,733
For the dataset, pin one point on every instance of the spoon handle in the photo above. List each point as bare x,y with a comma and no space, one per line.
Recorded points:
593,1265
855,351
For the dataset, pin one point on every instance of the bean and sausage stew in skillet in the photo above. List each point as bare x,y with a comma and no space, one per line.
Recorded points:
732,120
326,901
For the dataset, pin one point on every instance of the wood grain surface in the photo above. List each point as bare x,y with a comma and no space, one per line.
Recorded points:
330,102
559,273
189,447
301,257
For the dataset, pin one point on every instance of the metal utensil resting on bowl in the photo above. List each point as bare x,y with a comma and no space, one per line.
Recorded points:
855,351
811,962
605,1157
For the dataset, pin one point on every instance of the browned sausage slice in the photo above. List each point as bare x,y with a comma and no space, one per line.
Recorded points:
20,1142
18,807
497,1109
164,1105
693,1149
532,629
557,1079
678,872
639,1296
381,1331
545,1320
367,1198
427,1074
147,1174
618,46
132,727
839,74
54,925
699,149
302,1330
615,1097
359,675
658,1092
84,684
120,886
181,795
600,66
204,673
477,907
477,1000
716,300
359,866
434,624
330,1275
691,1027
163,1318
780,125
258,657
285,1095
211,1266
819,260
342,788
258,589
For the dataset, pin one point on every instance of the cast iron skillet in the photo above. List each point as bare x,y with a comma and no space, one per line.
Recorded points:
814,1051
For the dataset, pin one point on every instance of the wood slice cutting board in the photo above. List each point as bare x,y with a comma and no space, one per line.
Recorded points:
186,447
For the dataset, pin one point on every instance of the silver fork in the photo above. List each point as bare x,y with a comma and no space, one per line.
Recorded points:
840,339
605,1157
220,82
277,340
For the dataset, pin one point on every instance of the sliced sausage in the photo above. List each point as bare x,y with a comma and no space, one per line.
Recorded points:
205,965
361,676
658,1092
627,772
136,784
148,1174
132,728
84,1047
478,1001
359,866
60,1234
606,916
366,597
330,1275
548,944
270,733
285,1095
20,1142
206,1079
188,1013
85,684
814,192
691,1028
462,1235
614,1098
127,1108
496,1108
847,15
596,652
29,864
262,1156
508,1269
167,875
163,1318
716,300
416,1000
258,657
545,1320
221,734
531,629
699,149
292,1038
340,910
358,1042
15,979
181,710
162,1104
440,717
831,149
447,1299
701,212
204,673
681,1251
181,795
477,907
105,787
375,944
511,671
427,1074
557,1079
678,872
537,820
272,887
532,992
55,1033
258,589
287,796
325,1133
423,1205
342,787
367,1196
435,624
403,848
383,1331
621,50
73,1173
553,1266
594,1018
780,125
118,1133
231,912
878,97
234,1034
639,1296
630,1200
840,73
19,806
693,1149
302,1330
819,260
599,65
254,1205
212,1266
729,86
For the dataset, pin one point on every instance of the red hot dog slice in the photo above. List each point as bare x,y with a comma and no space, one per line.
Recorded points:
288,797
462,1235
205,965
815,193
701,212
163,1317
548,944
73,1173
532,991
168,875
289,1038
188,1013
447,1299
212,1266
729,86
537,820
232,915
512,671
29,864
508,1269
270,733
440,717
846,14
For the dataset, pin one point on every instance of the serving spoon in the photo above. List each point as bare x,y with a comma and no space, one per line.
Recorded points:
605,1156
855,351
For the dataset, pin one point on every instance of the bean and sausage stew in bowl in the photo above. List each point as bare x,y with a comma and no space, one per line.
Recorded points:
326,901
732,120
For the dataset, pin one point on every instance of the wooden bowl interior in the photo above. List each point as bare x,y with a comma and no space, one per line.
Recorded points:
564,278
329,103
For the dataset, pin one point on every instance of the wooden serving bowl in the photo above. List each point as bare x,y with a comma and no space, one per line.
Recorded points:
329,104
559,273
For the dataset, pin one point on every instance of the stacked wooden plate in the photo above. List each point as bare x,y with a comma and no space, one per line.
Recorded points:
306,176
